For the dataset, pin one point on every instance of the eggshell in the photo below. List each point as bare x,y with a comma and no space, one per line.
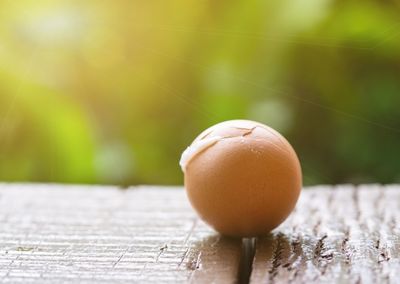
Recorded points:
242,177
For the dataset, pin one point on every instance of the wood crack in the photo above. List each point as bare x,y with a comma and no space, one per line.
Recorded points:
246,260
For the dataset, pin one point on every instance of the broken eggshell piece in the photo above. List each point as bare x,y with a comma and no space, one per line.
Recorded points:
242,177
195,149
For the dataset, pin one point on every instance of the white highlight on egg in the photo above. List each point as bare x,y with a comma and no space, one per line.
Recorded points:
196,148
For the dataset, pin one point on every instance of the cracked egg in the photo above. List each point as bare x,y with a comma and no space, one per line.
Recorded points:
242,177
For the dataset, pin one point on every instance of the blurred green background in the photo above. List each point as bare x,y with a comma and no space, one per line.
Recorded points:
114,91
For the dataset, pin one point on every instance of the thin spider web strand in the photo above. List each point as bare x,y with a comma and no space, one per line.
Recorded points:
391,32
190,102
279,92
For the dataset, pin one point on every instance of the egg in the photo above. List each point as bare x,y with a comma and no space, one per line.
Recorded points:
242,177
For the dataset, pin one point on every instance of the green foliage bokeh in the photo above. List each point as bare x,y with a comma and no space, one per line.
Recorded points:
113,91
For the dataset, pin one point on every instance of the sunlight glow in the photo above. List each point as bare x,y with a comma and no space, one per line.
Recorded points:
53,26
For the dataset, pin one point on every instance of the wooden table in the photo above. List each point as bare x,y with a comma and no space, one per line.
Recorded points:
103,234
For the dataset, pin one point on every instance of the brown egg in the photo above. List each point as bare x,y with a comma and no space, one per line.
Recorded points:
242,177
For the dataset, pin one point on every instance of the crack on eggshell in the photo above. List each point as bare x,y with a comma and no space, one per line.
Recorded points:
243,128
271,132
206,134
195,149
250,131
204,143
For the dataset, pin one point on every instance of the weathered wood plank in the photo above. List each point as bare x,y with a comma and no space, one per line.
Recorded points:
54,234
84,234
344,234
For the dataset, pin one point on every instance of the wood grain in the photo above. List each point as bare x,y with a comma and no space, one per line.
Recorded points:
87,234
342,234
98,234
